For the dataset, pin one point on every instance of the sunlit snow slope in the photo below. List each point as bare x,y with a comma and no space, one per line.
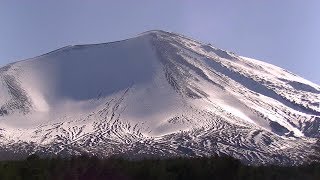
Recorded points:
158,94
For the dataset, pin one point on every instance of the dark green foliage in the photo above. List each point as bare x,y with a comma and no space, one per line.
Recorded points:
92,168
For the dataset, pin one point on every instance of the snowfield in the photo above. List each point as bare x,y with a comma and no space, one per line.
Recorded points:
158,94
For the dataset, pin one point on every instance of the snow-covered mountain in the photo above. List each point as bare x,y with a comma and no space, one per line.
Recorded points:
158,94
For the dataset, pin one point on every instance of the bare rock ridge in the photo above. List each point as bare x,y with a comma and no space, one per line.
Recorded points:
158,94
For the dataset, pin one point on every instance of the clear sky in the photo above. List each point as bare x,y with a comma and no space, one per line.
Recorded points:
281,32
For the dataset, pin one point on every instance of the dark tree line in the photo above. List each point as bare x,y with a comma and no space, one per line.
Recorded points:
92,168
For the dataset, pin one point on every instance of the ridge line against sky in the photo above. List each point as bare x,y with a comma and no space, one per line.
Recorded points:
284,33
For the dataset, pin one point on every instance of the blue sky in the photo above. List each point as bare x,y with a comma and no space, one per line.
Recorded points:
284,33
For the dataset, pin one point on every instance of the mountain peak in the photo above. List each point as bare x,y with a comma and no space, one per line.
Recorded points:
156,31
159,94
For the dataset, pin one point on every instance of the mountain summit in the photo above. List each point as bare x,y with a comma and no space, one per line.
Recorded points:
158,94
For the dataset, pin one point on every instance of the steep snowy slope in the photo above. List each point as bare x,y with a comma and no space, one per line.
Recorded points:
157,94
